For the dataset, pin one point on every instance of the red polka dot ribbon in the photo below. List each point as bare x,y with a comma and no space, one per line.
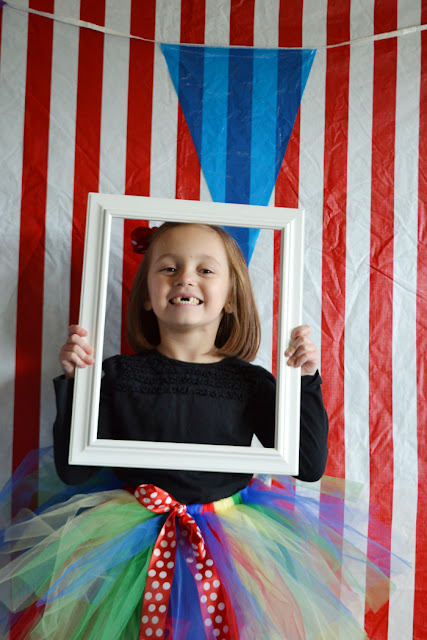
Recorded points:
214,601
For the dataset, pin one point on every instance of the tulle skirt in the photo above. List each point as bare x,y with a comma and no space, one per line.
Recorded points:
75,565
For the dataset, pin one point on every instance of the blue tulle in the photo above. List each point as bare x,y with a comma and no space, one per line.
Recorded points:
35,484
282,556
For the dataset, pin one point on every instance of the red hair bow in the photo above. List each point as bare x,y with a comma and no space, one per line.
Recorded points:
141,238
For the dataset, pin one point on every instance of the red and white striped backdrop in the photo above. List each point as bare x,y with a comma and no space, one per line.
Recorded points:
84,111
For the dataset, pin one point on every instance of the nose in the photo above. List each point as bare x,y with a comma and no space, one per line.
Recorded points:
184,277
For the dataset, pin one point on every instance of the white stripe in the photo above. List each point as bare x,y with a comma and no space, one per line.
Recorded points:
168,21
404,332
266,20
113,315
217,23
114,101
314,24
205,194
356,347
59,208
312,135
261,271
217,33
165,107
408,14
361,19
112,176
266,35
13,64
357,278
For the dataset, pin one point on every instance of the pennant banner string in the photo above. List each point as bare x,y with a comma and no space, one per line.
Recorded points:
90,25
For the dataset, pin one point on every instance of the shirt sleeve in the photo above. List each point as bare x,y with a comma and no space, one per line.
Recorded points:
313,452
70,473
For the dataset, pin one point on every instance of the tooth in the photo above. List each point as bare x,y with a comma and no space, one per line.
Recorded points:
186,300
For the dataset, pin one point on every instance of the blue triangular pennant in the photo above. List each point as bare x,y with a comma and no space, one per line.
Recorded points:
240,106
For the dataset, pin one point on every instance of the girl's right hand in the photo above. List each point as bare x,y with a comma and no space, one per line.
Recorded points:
76,352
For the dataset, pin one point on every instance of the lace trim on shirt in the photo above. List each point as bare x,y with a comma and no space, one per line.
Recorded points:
154,374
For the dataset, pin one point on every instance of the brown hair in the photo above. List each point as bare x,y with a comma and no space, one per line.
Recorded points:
239,331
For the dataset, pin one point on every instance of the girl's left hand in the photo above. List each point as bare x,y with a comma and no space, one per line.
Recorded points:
302,352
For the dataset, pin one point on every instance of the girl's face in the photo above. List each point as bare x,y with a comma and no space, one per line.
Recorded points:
188,279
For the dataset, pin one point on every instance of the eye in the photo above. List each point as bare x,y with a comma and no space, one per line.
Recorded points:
206,271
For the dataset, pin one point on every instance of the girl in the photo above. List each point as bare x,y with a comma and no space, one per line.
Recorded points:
182,554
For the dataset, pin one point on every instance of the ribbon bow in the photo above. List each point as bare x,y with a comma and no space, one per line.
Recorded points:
141,237
212,595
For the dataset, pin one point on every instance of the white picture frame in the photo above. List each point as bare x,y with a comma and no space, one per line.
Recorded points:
85,447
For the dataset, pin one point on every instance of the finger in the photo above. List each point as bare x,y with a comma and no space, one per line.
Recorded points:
302,341
70,360
302,330
303,358
70,351
77,328
68,368
75,339
304,354
303,344
304,348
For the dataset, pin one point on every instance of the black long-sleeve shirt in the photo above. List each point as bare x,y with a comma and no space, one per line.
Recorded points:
151,397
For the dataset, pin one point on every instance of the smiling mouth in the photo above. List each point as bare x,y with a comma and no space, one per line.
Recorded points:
185,300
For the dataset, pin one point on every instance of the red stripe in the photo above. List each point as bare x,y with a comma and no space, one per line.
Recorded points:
334,229
140,98
381,294
1,23
385,16
290,23
287,183
420,619
276,289
193,21
138,143
338,21
242,22
88,135
334,238
29,329
187,162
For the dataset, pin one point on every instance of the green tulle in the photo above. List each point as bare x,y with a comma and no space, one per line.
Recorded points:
106,606
79,569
